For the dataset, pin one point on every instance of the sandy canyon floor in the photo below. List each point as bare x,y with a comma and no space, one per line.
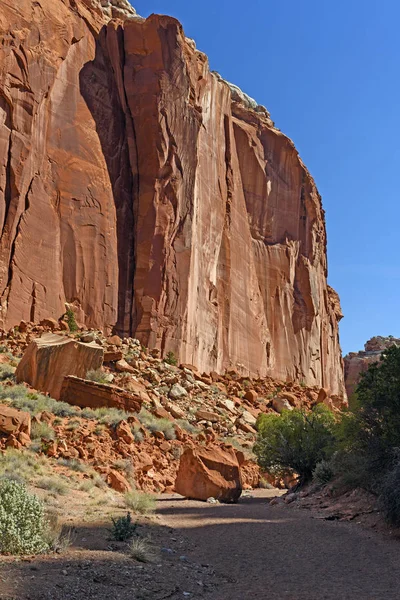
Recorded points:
215,552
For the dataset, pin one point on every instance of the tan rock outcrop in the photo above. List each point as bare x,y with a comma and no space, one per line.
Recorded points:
155,198
84,393
49,359
210,472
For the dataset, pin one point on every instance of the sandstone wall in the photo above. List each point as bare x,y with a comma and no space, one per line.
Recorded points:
133,186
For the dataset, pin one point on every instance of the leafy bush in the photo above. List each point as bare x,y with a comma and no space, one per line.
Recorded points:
70,318
171,359
378,411
123,528
389,499
295,441
140,502
23,526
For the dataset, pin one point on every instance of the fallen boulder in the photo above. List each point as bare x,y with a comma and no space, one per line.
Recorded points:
89,394
13,421
209,472
49,359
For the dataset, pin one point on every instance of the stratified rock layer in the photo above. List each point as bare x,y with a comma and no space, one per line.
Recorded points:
134,187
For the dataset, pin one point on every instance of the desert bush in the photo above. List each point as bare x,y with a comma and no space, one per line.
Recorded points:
140,550
110,416
21,465
187,426
153,424
18,396
123,528
97,375
140,502
53,484
73,464
6,372
295,440
23,526
42,430
171,359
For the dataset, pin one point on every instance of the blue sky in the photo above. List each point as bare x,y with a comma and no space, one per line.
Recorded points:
329,74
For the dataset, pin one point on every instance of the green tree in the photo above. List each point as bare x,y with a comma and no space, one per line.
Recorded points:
295,441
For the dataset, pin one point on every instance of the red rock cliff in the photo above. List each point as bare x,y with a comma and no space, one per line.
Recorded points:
158,199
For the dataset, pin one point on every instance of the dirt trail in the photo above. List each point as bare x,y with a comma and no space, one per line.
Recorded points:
273,552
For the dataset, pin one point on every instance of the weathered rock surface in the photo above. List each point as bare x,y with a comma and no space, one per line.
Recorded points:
14,421
84,393
50,358
356,363
209,473
155,198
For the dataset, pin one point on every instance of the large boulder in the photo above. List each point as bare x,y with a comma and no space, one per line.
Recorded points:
49,359
14,421
89,394
209,472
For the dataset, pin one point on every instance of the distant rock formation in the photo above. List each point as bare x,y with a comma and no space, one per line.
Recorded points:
356,363
154,198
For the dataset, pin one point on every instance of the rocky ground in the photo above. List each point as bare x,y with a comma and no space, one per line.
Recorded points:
176,407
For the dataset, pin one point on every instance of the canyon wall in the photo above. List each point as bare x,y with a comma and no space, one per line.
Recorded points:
155,198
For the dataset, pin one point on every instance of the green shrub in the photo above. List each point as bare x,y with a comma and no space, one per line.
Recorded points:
171,359
123,528
70,318
295,440
140,502
23,526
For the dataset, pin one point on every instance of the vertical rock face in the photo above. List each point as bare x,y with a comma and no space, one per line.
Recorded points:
155,197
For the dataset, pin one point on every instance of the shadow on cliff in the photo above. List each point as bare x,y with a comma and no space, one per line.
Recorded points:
102,87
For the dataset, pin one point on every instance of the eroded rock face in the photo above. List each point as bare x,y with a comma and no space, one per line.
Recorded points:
356,363
209,473
49,359
157,199
13,421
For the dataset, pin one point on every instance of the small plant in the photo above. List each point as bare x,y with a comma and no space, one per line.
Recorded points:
140,502
171,359
23,526
123,528
42,430
389,499
73,464
323,472
140,550
58,538
70,318
6,372
97,375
